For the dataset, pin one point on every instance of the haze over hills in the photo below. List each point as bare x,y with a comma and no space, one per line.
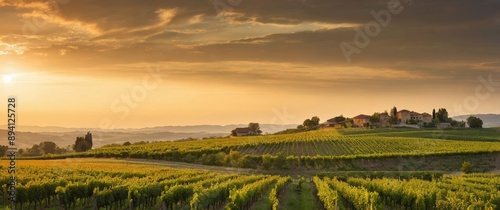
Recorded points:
27,136
489,120
62,136
266,128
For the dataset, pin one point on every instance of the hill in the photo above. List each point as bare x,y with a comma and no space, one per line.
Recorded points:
213,129
64,139
326,148
62,136
489,120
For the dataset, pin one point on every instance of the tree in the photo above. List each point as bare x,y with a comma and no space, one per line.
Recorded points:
127,143
48,147
315,121
394,115
88,139
311,123
3,150
433,113
255,127
83,144
339,118
474,122
375,118
307,123
457,124
35,150
442,115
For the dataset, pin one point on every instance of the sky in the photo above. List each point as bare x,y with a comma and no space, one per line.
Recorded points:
132,64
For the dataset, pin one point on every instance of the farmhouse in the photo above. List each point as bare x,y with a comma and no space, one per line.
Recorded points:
244,132
332,123
384,119
405,116
361,120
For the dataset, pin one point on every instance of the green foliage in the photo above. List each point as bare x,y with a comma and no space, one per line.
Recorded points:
280,161
442,115
474,122
457,124
267,161
326,194
273,196
235,158
217,159
34,151
312,123
339,118
412,122
83,144
466,167
359,197
48,147
375,118
3,150
114,185
241,198
255,127
313,149
394,115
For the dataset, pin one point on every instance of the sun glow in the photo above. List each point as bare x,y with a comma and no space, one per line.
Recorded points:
7,79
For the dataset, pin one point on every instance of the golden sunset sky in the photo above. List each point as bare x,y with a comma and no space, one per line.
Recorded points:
132,64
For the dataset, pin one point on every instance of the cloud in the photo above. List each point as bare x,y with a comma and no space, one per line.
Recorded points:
423,39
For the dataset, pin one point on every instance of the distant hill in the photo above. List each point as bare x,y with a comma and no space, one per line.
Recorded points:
489,120
214,129
27,136
63,139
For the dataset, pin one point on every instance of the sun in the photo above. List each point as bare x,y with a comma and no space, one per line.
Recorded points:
7,79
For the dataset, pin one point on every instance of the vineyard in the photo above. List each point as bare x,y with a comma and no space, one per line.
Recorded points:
321,148
474,191
347,143
114,185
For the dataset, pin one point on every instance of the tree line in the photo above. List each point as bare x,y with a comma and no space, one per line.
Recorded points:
82,144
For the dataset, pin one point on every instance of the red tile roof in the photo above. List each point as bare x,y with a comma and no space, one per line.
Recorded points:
362,116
